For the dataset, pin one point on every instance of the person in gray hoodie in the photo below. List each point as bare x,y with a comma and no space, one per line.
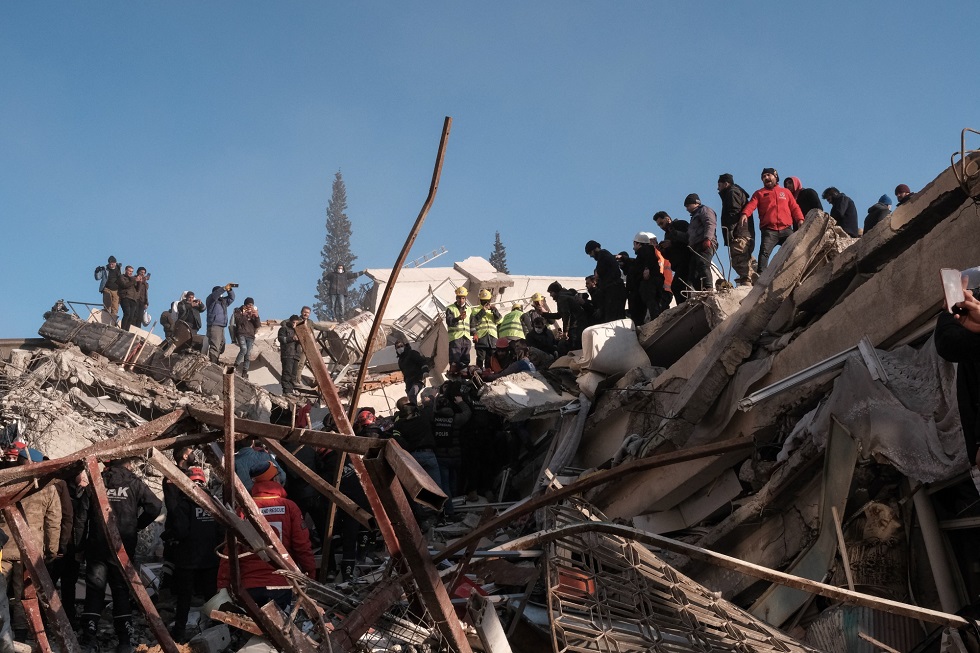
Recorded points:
702,239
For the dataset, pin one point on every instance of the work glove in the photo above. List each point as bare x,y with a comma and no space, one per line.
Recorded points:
706,245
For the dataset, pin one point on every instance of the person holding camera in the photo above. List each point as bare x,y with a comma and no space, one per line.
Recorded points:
217,304
246,322
957,339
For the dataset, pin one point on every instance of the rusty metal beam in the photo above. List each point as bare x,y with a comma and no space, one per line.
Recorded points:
364,617
32,610
338,441
230,478
416,481
33,559
415,552
343,502
400,261
149,431
275,630
236,621
108,526
552,495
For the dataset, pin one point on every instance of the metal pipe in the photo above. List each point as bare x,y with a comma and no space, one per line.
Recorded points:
228,490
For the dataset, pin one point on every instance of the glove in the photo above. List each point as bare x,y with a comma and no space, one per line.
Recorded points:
706,245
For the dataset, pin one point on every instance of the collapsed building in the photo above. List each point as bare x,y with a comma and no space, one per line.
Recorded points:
772,468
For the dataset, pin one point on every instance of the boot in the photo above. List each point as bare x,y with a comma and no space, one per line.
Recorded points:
348,569
125,631
89,631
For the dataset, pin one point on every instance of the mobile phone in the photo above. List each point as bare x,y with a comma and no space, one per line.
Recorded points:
952,287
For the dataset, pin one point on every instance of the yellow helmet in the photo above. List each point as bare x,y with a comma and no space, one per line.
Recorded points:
536,297
516,306
462,291
485,294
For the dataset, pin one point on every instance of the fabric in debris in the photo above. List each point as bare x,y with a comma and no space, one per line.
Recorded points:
521,396
611,348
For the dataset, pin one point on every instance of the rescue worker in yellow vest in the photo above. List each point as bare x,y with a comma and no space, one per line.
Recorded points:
510,326
483,326
538,305
457,321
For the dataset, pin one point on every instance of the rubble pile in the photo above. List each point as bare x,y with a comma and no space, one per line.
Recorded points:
769,468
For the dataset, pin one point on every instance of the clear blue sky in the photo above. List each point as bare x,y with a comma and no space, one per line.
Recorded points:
200,139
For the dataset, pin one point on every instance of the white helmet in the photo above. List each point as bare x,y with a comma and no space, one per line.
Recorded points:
641,237
651,238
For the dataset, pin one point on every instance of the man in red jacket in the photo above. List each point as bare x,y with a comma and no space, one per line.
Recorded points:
258,577
779,214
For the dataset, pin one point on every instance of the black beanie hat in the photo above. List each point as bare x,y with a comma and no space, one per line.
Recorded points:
772,171
249,300
692,199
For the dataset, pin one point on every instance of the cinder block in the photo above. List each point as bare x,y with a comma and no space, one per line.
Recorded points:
213,640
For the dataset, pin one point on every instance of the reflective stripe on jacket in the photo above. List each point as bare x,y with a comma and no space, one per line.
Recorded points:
510,326
458,328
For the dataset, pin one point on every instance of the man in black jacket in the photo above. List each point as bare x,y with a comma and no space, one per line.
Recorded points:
570,310
957,339
675,249
609,281
133,508
738,236
843,211
413,431
289,349
702,239
413,367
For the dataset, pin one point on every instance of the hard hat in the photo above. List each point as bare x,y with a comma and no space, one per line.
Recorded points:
516,306
536,297
651,238
462,291
503,343
641,237
364,418
485,294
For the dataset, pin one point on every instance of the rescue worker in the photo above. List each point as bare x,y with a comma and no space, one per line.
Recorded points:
450,414
413,367
133,507
609,282
258,577
413,431
510,326
457,322
483,326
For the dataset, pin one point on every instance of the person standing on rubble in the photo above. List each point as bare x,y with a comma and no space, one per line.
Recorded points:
449,415
877,212
142,296
957,338
570,310
807,198
483,327
609,281
258,577
108,277
779,215
217,304
738,236
42,511
289,350
458,324
538,305
413,367
133,507
247,322
675,249
510,326
338,282
902,192
413,431
842,210
129,300
253,454
703,240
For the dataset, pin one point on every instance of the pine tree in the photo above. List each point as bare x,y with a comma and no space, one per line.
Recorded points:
336,251
498,257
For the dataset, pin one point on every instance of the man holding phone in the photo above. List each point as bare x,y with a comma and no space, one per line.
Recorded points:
957,339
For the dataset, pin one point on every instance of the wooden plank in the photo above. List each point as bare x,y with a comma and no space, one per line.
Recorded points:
108,526
343,502
33,559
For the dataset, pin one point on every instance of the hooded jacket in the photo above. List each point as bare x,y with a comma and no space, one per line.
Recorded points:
777,207
217,304
412,365
845,213
42,511
133,505
286,520
807,198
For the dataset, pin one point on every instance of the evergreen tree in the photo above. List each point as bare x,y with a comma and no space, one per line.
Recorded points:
336,251
498,257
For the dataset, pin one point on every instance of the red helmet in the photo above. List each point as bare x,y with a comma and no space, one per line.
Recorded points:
364,418
503,343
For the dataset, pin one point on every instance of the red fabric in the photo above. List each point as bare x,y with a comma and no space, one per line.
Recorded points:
778,209
286,519
797,186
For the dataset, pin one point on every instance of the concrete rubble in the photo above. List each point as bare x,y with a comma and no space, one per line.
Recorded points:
774,468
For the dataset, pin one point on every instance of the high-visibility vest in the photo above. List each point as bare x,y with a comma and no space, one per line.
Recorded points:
461,329
665,269
486,323
510,326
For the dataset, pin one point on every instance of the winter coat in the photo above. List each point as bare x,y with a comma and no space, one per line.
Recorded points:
545,341
412,365
190,314
195,532
67,515
286,520
248,458
415,433
607,272
289,346
845,213
339,282
246,325
217,304
703,227
677,253
108,278
733,199
876,213
448,419
778,209
42,511
133,505
128,288
956,344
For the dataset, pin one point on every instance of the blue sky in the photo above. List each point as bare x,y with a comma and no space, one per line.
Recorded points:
200,139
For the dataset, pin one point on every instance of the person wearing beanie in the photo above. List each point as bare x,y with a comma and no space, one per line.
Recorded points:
703,241
258,577
738,236
254,454
108,277
877,212
289,350
244,323
843,211
903,193
609,283
779,214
